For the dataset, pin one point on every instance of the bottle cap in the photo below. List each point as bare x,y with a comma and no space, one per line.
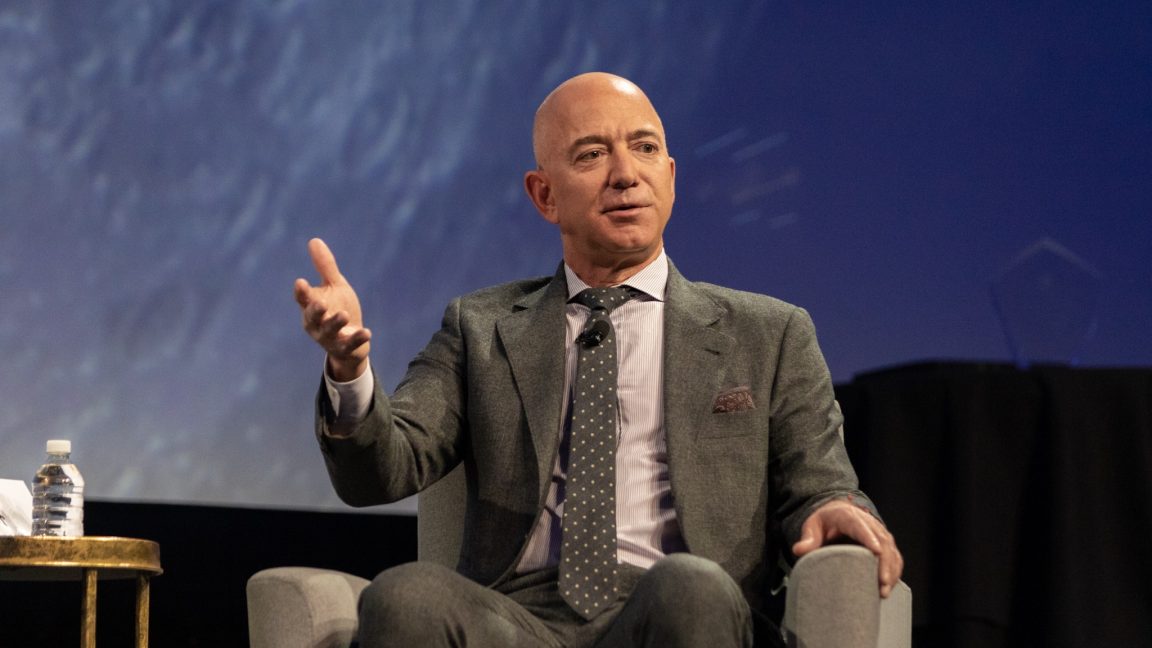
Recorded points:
59,446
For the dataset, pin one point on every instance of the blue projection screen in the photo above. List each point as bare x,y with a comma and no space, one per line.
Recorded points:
162,165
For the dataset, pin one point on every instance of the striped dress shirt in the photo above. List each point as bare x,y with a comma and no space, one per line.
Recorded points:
646,526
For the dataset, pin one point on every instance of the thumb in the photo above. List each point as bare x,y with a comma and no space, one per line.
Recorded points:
809,539
325,262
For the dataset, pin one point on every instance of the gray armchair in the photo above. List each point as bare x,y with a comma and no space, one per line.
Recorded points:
832,598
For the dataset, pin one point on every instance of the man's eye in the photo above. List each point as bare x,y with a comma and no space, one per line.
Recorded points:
647,148
591,155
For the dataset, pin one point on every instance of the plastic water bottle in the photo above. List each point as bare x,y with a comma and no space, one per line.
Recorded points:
58,494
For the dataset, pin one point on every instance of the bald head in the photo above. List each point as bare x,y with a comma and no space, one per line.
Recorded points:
603,176
582,93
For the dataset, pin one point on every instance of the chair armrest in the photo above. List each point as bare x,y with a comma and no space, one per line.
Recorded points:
301,607
834,600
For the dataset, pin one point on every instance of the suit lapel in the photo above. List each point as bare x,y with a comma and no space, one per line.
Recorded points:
533,337
694,355
695,351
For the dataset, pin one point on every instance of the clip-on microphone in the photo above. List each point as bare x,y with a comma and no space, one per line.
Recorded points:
594,334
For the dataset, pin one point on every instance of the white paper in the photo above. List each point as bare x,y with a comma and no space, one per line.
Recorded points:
15,508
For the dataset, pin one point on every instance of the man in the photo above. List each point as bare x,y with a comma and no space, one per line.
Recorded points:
720,408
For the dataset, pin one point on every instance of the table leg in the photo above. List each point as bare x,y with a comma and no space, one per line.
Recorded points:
88,611
142,603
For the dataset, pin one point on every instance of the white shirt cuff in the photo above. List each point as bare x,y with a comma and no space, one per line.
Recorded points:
350,400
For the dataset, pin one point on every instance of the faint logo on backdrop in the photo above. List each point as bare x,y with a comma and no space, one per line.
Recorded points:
1048,301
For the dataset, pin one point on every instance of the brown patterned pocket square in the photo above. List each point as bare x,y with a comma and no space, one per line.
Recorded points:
738,399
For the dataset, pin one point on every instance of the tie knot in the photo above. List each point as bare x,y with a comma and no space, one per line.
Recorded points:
603,299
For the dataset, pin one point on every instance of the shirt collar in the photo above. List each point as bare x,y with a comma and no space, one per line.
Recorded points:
652,280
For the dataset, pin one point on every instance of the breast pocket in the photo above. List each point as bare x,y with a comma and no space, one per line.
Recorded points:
725,425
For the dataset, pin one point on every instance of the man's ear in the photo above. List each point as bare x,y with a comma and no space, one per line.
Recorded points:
536,184
672,162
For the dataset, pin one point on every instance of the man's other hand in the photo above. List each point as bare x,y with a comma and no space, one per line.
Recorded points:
841,520
331,313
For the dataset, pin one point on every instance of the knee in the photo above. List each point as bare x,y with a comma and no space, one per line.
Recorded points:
692,601
680,573
403,602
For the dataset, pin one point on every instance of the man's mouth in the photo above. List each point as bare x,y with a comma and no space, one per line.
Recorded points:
624,209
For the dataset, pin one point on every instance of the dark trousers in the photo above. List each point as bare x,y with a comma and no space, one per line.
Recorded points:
683,601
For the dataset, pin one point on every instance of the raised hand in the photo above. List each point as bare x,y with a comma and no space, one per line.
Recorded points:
331,314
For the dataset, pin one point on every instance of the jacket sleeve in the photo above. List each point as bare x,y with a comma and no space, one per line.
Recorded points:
407,442
809,465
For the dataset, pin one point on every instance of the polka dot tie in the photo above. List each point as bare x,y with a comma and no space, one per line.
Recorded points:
588,547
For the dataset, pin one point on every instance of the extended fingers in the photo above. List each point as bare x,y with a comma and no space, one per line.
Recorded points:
332,329
323,324
331,324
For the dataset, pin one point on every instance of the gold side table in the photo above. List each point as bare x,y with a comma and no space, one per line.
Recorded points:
87,558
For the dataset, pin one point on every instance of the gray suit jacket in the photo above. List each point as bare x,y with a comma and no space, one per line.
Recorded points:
752,428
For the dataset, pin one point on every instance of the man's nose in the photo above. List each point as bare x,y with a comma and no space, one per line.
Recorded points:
622,173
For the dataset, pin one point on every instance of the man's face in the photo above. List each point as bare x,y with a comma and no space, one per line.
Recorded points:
604,176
